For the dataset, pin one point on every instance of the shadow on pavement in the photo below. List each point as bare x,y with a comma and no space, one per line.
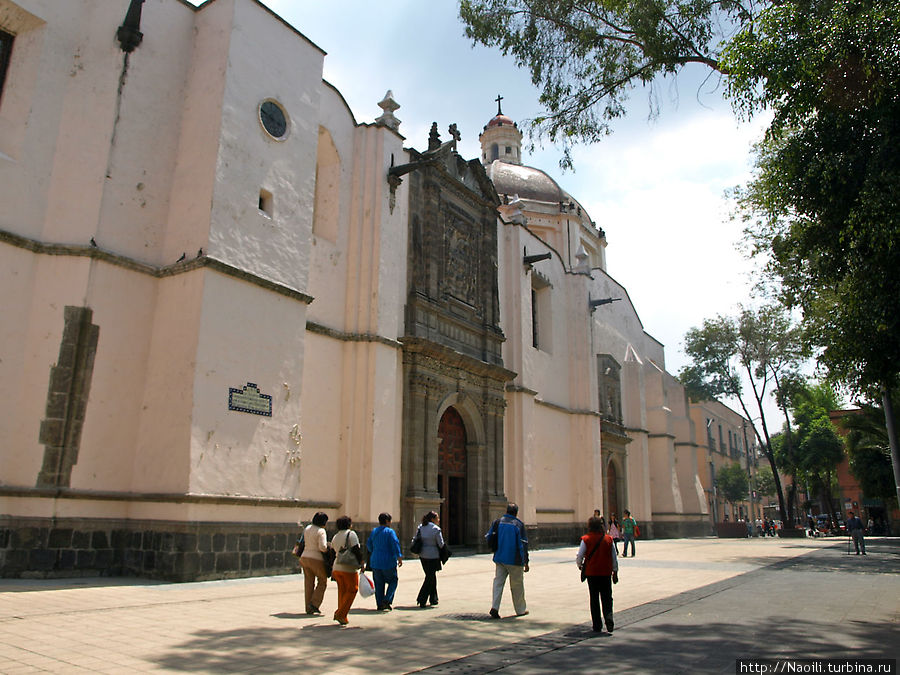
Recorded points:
648,638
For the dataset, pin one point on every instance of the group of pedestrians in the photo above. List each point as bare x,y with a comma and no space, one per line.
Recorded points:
348,560
507,539
385,557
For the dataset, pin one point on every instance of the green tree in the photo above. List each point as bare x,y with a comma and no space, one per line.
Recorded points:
823,208
870,456
761,347
732,484
816,448
784,449
764,482
586,55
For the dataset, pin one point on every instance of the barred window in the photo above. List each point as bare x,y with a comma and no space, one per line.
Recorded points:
6,43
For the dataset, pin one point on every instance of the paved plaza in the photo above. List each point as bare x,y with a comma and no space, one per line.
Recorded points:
685,605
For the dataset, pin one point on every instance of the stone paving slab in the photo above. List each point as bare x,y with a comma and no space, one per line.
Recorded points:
257,625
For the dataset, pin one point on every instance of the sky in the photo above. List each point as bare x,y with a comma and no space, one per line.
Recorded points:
656,185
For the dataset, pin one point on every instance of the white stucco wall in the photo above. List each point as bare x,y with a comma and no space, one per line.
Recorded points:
276,247
257,339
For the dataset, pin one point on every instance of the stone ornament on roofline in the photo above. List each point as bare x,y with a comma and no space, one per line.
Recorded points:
388,105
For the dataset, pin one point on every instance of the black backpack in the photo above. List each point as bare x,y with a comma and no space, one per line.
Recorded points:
492,536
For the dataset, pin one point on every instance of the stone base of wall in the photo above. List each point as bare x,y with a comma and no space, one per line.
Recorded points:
674,529
555,534
171,551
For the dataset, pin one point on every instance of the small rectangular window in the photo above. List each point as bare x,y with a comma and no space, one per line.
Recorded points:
265,202
6,43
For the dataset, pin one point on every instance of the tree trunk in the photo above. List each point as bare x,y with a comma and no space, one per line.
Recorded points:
826,487
888,404
792,499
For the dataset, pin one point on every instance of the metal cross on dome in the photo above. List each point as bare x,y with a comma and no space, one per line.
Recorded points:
498,99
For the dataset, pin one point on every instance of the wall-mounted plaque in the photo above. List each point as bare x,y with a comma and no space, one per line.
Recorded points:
249,399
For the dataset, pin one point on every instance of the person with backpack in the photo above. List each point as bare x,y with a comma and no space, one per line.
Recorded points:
599,566
347,563
508,541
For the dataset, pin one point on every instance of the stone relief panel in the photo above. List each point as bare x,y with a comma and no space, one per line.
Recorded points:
461,259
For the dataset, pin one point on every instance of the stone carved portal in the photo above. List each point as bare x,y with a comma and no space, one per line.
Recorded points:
453,375
612,492
452,475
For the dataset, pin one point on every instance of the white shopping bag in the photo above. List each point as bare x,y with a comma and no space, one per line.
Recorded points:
366,587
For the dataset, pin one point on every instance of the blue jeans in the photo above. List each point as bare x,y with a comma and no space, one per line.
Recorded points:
626,537
383,578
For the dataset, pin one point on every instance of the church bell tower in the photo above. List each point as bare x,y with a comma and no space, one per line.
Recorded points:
501,139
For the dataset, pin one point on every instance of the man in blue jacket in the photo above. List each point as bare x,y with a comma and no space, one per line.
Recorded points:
384,558
509,543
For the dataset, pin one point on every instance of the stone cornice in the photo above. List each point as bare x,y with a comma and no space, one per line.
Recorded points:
518,389
451,357
159,272
566,409
160,497
319,329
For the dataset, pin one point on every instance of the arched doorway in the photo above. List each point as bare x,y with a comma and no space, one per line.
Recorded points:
612,491
452,475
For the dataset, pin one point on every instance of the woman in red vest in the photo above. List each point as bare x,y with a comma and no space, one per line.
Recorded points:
597,560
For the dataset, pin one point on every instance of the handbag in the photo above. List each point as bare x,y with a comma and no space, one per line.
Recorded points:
444,552
299,546
328,559
416,545
346,556
637,531
586,558
366,587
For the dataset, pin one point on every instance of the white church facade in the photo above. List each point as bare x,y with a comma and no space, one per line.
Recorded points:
228,305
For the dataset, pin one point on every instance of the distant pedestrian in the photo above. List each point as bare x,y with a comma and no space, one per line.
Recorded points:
597,559
614,530
870,526
629,525
315,579
855,528
385,557
507,539
430,557
347,563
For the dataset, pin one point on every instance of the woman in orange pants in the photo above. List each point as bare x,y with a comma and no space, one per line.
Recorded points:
347,563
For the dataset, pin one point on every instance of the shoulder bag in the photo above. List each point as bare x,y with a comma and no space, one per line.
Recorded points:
346,556
416,545
299,546
328,556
